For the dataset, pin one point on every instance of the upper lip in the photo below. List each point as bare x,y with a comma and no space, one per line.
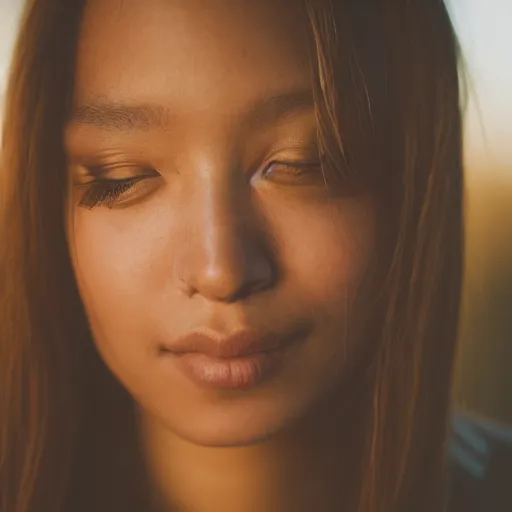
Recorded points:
238,344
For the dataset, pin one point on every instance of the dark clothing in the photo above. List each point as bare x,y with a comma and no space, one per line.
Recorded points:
480,454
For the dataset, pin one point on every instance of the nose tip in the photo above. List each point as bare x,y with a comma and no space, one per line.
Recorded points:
227,284
229,281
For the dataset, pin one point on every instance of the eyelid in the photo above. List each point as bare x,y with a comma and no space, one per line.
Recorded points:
115,172
131,179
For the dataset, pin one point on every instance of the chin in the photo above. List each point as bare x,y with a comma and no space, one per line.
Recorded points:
234,423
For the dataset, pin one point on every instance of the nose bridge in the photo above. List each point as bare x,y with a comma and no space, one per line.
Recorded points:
224,224
227,256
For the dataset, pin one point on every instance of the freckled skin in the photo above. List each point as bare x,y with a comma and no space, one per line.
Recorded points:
208,240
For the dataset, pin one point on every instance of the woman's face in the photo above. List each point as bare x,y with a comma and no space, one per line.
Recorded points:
222,225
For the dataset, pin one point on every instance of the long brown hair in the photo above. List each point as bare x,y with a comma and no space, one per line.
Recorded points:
387,96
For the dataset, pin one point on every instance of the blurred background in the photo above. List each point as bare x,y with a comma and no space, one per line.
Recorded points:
484,373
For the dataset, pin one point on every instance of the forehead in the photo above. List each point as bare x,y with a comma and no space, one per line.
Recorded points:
190,54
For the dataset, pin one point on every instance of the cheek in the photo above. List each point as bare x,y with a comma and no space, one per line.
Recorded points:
112,260
112,253
327,249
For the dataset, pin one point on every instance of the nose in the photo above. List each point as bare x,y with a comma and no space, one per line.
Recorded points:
227,256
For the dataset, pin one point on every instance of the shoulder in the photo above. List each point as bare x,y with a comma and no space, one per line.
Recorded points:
480,454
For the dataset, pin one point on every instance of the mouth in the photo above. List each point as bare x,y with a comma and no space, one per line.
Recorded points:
237,361
242,343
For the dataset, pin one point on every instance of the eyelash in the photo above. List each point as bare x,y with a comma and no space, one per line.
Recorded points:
107,191
102,191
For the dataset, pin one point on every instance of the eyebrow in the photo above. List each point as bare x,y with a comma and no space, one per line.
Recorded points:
115,115
121,116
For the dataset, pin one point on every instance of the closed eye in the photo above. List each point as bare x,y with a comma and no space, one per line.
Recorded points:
115,192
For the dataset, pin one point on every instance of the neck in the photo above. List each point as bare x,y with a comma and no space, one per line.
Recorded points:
308,467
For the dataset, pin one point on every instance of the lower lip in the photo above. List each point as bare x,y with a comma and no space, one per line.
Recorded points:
233,373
